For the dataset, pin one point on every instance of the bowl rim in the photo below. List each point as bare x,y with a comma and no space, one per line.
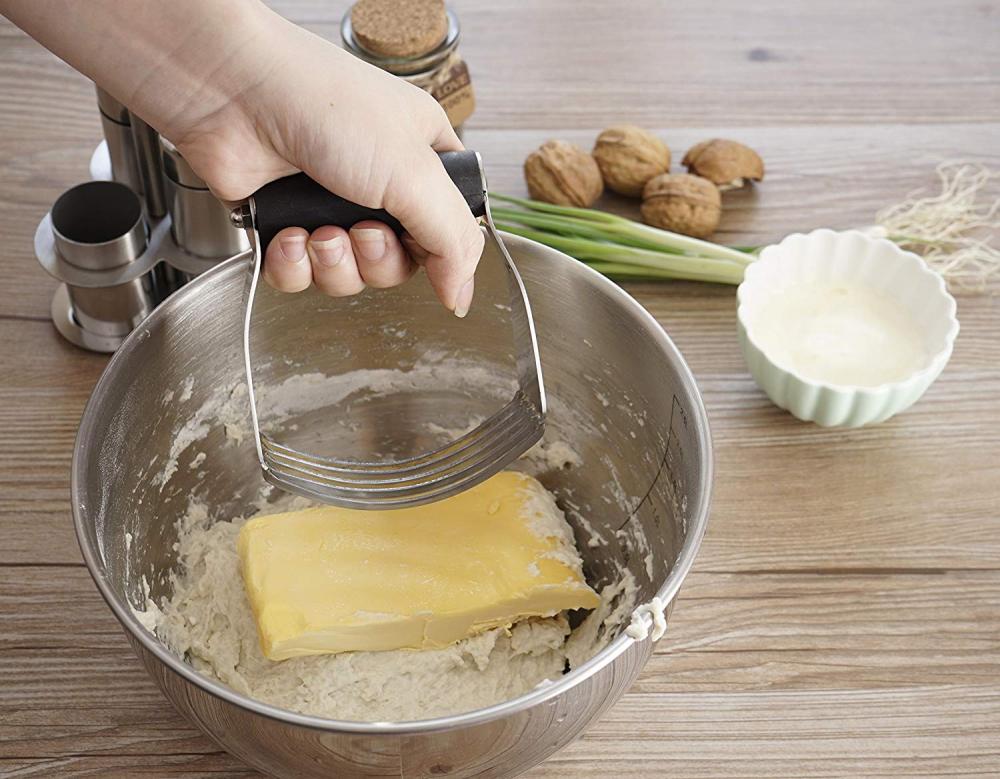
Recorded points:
668,590
918,266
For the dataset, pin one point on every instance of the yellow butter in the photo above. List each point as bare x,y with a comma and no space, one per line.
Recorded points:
330,580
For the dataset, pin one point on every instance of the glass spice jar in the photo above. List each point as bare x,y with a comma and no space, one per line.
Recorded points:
438,69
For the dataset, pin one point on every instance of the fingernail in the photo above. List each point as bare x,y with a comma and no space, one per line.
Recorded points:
370,242
464,299
293,248
327,253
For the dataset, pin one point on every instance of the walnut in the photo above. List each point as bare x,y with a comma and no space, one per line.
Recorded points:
726,163
628,157
561,173
682,203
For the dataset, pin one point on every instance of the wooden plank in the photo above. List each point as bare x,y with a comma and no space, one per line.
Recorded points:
573,63
899,733
738,632
902,659
818,174
927,514
843,629
725,62
215,766
842,617
824,734
46,383
836,177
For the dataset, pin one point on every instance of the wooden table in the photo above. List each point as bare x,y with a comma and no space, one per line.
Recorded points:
843,617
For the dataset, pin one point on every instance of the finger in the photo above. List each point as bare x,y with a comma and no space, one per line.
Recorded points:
446,139
334,269
439,133
417,252
464,300
381,258
286,266
433,211
420,257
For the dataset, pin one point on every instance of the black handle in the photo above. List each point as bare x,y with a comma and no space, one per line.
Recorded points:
300,202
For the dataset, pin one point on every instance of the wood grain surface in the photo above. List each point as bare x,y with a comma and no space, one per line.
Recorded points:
843,616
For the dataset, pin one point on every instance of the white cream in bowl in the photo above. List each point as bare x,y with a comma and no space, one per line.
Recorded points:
843,329
844,333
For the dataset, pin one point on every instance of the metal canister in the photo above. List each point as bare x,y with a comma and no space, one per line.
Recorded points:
117,126
146,141
199,222
95,241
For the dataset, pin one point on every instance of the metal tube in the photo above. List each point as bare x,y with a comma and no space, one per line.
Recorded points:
114,311
118,133
147,150
97,246
98,225
110,107
200,223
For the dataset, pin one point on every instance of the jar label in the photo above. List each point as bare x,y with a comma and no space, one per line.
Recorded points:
452,88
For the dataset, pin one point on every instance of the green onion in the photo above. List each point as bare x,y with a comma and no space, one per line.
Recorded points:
623,272
629,260
619,247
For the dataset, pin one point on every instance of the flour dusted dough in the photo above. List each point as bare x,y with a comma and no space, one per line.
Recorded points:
208,619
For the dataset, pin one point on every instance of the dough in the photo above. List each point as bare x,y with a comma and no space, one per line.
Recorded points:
209,621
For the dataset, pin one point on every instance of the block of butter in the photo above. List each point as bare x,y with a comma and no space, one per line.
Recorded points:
329,579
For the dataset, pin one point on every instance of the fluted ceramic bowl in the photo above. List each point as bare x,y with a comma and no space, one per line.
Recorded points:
848,257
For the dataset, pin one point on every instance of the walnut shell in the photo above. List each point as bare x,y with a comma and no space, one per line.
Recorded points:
628,157
561,173
682,203
725,163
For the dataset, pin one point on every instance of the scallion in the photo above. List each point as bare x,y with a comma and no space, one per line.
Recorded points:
619,247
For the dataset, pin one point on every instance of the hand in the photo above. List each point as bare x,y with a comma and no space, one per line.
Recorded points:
363,134
248,97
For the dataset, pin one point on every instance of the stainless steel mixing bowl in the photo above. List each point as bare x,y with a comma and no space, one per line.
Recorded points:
622,398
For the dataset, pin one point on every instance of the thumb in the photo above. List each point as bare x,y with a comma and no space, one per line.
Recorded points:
431,209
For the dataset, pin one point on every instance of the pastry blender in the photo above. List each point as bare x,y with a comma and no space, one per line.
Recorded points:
410,481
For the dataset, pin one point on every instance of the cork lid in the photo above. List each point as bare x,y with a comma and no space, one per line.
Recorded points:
399,28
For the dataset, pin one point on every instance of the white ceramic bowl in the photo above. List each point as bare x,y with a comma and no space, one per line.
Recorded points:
829,257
